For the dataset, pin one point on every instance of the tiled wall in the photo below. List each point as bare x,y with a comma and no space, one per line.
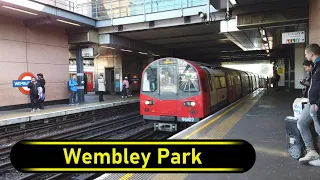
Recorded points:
33,49
314,21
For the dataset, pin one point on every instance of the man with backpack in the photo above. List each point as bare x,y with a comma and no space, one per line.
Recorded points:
310,111
72,84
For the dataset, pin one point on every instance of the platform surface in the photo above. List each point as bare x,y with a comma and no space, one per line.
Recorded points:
91,103
258,119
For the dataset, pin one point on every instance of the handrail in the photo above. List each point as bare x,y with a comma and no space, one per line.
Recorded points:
108,9
63,4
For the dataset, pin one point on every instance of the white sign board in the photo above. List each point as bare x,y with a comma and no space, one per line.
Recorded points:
87,52
293,37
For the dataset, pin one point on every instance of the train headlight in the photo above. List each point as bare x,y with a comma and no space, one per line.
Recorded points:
189,103
149,102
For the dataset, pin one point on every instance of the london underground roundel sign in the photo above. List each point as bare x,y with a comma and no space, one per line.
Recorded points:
23,81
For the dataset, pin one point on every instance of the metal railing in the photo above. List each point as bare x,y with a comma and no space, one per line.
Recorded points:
108,9
63,4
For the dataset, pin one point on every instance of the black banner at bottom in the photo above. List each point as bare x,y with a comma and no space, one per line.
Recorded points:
212,156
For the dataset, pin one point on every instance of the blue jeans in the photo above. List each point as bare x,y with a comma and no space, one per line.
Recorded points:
308,115
72,99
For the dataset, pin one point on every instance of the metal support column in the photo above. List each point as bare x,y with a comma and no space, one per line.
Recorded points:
80,75
208,10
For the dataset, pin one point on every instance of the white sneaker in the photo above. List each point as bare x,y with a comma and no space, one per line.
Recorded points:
33,110
122,96
315,162
311,155
38,109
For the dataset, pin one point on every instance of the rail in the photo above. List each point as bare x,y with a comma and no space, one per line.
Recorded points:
109,9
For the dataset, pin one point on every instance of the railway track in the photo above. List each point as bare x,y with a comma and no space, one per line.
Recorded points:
100,129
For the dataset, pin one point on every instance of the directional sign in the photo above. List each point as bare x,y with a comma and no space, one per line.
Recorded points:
23,81
293,37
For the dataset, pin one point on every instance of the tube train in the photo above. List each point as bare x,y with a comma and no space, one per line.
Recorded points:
177,93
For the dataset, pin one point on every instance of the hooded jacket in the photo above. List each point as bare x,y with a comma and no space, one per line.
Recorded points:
314,89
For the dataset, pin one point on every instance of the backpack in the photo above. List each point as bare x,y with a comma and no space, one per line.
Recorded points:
68,85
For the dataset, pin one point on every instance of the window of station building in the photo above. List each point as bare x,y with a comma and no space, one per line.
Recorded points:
188,78
150,79
223,82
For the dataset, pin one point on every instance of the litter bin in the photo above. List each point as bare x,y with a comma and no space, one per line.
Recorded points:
296,147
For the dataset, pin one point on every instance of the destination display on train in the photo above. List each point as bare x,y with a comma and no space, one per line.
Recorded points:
167,61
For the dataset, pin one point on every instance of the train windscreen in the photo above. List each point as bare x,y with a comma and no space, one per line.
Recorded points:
169,76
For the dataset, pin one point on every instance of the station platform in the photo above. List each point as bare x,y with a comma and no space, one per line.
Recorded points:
91,103
257,118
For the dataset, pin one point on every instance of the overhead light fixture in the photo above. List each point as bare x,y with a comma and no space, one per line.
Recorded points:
142,53
268,55
126,50
267,47
233,2
264,38
68,22
108,47
20,10
267,50
155,55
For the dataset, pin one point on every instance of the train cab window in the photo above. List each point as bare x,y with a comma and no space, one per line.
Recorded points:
149,79
209,78
203,83
188,78
223,82
217,83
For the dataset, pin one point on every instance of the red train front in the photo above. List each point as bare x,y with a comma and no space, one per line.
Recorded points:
171,93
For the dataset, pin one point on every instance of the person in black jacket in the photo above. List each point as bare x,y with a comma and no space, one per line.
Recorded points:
309,113
33,86
308,66
42,83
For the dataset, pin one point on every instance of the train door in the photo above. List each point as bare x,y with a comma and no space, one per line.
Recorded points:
168,88
89,81
109,77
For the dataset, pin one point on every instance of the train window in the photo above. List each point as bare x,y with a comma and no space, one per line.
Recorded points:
188,78
223,82
236,80
168,79
217,83
149,83
204,86
209,78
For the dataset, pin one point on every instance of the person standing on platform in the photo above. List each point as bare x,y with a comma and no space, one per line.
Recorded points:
73,90
309,113
308,66
33,86
125,87
42,83
85,84
101,87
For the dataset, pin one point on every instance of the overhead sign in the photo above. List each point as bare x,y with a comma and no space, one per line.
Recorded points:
87,52
293,37
23,81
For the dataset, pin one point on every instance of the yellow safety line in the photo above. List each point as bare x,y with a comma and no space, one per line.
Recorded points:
195,132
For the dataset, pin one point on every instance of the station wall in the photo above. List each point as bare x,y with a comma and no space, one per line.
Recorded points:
36,50
298,67
314,21
134,64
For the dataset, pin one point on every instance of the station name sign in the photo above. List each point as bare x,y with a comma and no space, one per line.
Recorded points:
293,37
87,52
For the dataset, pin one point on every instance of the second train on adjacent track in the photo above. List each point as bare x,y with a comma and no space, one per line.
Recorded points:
177,93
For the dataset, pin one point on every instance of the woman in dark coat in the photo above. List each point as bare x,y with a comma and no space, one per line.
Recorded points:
33,86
